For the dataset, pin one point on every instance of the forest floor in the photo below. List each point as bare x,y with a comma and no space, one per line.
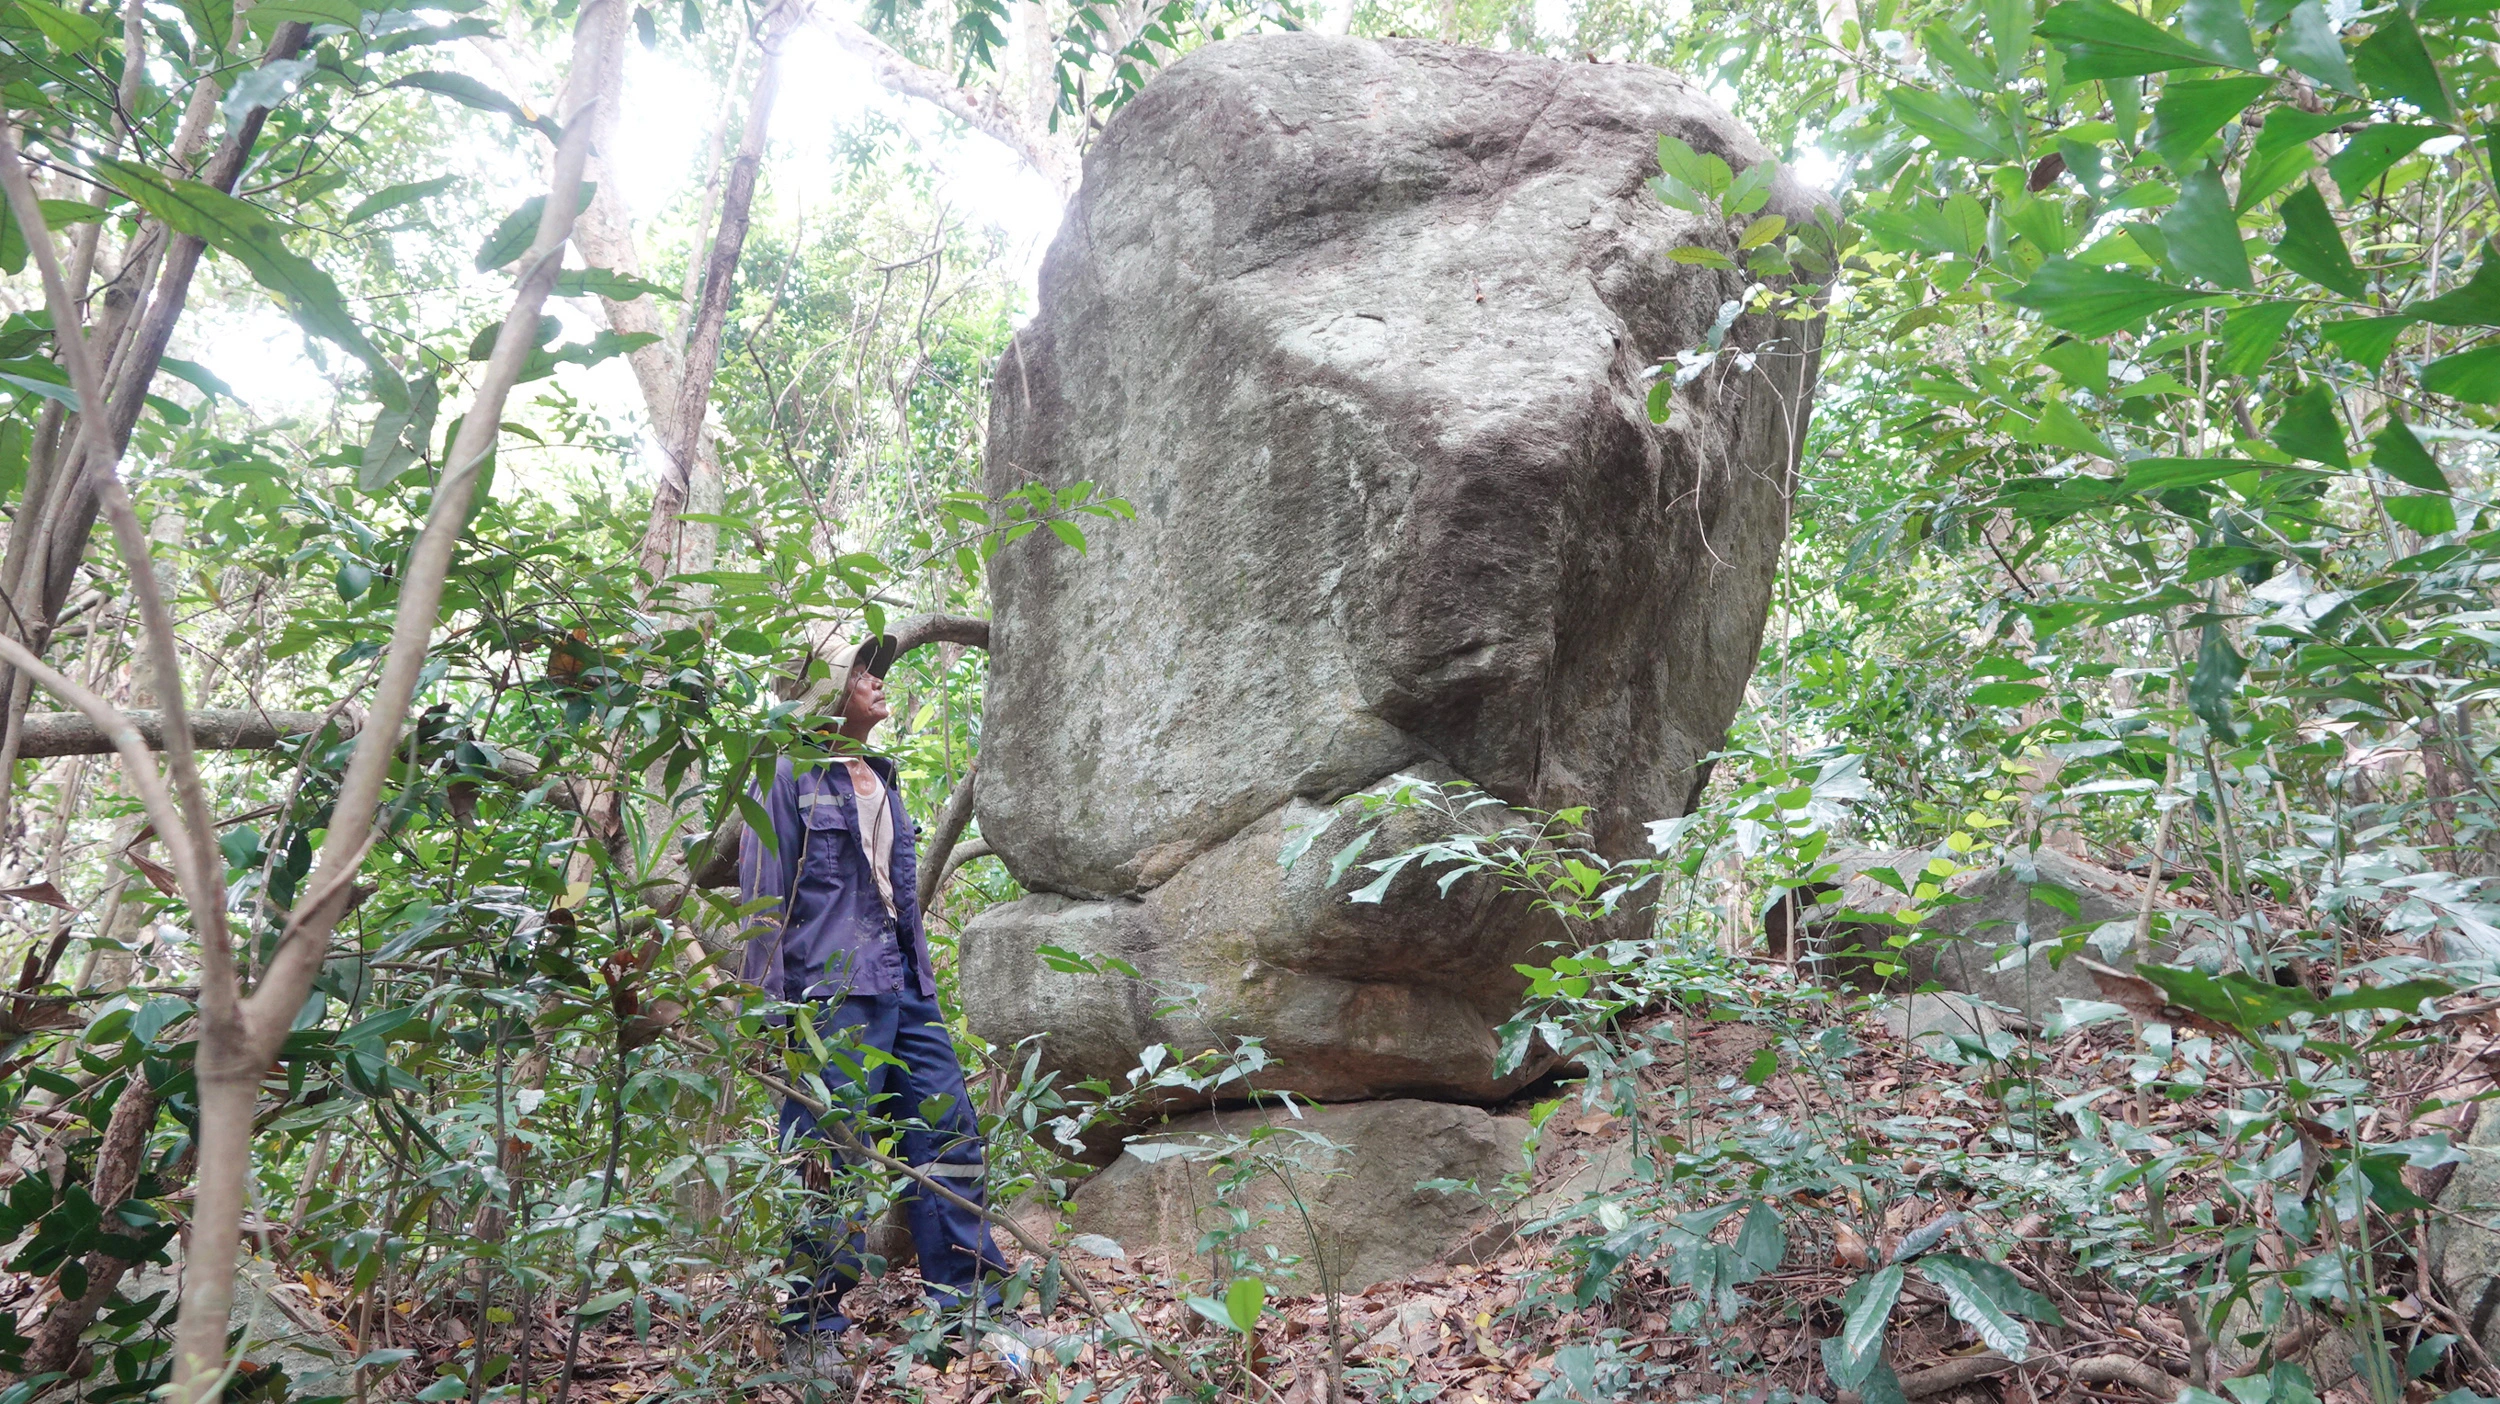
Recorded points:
1455,1325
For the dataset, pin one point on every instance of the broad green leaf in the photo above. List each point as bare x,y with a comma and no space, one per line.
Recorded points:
2371,151
244,232
57,214
266,15
2002,1287
68,31
400,437
2059,426
391,197
2007,694
2366,340
2308,43
2250,335
606,283
1956,125
2080,363
2235,1000
2310,428
2394,63
2314,248
2431,516
2221,26
1864,1325
2403,997
2207,562
2397,453
518,230
2009,33
1764,1064
2477,304
2219,668
2190,110
2155,475
1762,231
2204,235
1243,1301
2103,40
2287,127
50,390
1700,257
2094,302
2472,376
1971,1304
1763,1240
201,377
211,22
469,92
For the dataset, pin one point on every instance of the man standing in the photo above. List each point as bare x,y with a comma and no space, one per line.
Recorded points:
846,940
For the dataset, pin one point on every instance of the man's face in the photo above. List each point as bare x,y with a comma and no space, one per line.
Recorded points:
863,702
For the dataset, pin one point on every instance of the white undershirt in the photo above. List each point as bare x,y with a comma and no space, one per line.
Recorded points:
876,827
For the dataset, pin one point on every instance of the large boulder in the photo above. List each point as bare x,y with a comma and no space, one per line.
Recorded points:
1332,1196
1363,331
1994,942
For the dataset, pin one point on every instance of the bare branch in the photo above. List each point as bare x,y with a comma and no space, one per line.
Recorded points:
950,827
985,111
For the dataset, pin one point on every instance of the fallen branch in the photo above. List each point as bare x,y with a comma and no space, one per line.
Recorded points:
2120,1369
1953,1374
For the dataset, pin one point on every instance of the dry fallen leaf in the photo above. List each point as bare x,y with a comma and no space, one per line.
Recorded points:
1849,1250
156,873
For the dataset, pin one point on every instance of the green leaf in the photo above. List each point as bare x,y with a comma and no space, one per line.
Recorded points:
392,197
2079,363
601,1305
2477,304
2308,43
2002,1287
1699,257
267,15
2093,302
2430,516
2007,694
2472,376
1067,533
614,286
70,32
2397,453
244,232
2058,425
2204,235
1864,1325
57,214
1243,1301
469,92
2206,562
2190,110
514,234
401,434
2366,340
2250,335
2103,40
2221,26
2314,248
1764,1064
2371,151
1971,1304
1955,125
2234,1000
2216,681
2156,475
201,377
1763,1240
2310,428
2395,63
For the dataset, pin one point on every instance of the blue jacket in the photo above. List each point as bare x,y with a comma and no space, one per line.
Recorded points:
834,938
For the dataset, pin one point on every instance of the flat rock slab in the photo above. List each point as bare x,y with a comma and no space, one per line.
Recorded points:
1354,1170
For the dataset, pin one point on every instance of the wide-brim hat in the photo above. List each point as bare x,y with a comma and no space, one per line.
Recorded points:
878,653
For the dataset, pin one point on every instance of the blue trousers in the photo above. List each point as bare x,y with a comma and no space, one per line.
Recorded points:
956,1250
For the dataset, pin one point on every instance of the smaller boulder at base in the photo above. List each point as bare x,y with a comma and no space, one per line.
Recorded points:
1353,1170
